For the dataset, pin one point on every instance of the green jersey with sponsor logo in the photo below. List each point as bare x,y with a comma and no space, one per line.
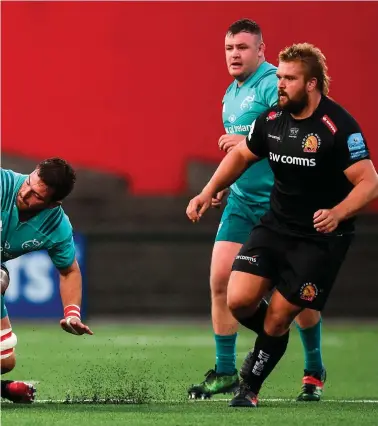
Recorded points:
49,230
241,106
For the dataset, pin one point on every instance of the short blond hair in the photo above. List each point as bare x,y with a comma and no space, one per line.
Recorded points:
313,60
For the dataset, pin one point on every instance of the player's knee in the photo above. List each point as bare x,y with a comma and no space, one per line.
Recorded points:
7,351
240,304
4,280
219,283
276,323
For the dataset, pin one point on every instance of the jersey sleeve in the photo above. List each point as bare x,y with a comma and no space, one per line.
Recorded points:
256,141
350,144
8,183
63,253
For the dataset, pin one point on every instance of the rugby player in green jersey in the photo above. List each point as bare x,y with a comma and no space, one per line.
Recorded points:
32,219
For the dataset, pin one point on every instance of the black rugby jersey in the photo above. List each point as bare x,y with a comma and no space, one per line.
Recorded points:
308,158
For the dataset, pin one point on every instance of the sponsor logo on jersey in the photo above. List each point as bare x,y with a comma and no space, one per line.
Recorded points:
31,244
329,123
253,260
276,138
247,102
311,143
232,118
357,147
240,128
293,132
288,159
308,292
273,115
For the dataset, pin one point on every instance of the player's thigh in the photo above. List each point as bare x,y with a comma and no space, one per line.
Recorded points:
224,253
255,269
234,229
311,270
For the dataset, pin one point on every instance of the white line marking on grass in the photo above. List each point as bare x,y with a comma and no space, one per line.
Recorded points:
172,401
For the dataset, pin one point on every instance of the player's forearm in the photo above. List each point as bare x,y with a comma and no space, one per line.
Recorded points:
360,196
71,288
230,168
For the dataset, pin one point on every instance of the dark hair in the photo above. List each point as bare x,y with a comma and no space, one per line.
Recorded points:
58,175
313,60
244,25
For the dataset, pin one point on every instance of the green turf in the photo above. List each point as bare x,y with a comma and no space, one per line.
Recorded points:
154,364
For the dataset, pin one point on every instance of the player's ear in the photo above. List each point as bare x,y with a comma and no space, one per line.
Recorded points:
311,84
261,49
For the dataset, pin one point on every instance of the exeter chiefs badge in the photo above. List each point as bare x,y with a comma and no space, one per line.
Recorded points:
308,292
311,143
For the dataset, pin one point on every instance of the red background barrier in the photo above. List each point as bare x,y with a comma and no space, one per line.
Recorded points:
136,88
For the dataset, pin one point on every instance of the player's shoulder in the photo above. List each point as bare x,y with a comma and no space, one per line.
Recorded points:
11,178
336,117
57,226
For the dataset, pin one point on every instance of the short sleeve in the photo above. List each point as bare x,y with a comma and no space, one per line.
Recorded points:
256,141
350,144
63,253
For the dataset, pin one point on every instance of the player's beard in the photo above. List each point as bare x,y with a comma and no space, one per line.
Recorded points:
294,105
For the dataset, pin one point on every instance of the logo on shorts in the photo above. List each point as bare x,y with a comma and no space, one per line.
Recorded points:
253,260
308,292
311,143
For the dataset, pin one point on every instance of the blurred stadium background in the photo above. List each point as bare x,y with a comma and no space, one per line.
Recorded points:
130,93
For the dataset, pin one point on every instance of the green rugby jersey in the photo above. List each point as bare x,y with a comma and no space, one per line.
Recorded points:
241,106
49,230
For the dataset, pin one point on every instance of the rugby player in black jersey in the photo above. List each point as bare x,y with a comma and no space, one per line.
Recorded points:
323,178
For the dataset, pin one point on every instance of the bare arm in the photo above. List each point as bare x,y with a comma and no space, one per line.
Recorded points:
70,285
70,293
231,167
365,180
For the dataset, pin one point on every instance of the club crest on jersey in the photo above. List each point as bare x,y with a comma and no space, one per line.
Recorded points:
273,115
247,103
31,244
308,292
311,143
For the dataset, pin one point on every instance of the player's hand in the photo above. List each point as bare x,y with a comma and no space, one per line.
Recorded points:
198,205
217,201
75,326
326,221
227,142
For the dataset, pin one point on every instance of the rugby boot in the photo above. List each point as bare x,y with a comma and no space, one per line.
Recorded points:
214,383
19,392
312,386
